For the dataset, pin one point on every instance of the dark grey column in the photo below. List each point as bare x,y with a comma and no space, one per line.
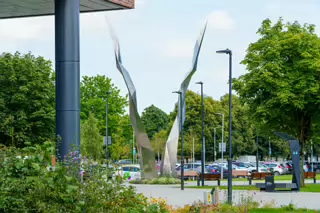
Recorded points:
67,49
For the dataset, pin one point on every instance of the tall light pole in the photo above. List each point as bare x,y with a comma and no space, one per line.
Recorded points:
229,52
214,146
107,118
257,153
202,134
222,142
311,156
133,149
214,143
182,139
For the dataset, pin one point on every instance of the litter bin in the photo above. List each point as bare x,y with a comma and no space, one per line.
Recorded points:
270,184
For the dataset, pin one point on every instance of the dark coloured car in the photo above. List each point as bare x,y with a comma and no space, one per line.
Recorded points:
214,169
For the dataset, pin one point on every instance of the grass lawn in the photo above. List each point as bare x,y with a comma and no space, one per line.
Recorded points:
280,177
308,188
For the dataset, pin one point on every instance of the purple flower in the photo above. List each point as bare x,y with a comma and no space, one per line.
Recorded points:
81,173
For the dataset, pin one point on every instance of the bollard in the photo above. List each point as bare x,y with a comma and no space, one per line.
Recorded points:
215,196
207,197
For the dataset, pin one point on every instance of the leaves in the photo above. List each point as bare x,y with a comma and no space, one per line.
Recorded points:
91,140
94,99
154,120
27,99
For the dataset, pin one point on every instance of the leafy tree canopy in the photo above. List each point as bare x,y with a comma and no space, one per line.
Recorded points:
94,98
27,99
91,140
282,87
154,120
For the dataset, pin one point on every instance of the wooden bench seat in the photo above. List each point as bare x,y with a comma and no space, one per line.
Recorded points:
258,176
188,174
216,177
311,175
240,173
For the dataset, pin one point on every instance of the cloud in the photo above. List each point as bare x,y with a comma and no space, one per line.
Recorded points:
220,20
183,49
27,28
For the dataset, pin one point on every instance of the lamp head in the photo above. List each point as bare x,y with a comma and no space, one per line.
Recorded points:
226,51
177,92
200,82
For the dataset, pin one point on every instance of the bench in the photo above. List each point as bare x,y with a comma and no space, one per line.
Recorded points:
258,176
292,186
311,175
188,174
240,173
216,177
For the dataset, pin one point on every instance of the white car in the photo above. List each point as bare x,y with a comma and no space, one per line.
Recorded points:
129,172
277,168
250,167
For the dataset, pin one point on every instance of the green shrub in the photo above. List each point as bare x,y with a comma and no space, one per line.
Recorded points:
27,184
159,181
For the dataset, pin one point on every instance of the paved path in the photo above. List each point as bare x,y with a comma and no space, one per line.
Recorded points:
176,197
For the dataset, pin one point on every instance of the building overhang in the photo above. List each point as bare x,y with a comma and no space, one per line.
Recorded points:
31,8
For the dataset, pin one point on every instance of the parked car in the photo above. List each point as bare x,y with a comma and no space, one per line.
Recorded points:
306,166
125,161
288,167
130,172
275,167
215,169
316,167
189,167
250,167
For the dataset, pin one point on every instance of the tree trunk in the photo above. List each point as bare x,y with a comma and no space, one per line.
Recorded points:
304,129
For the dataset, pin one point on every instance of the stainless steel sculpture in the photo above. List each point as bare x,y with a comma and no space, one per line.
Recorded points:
169,159
145,150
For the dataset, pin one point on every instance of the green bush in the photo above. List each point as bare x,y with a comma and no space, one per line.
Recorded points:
159,181
29,184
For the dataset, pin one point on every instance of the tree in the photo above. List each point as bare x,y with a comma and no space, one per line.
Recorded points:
91,140
282,87
192,143
154,120
193,120
158,142
121,139
27,99
94,98
243,129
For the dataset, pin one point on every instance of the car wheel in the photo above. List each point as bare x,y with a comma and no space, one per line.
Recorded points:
276,173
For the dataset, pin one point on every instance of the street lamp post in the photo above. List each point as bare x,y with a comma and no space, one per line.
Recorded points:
182,140
133,148
257,153
107,116
202,134
229,52
222,142
214,146
311,156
